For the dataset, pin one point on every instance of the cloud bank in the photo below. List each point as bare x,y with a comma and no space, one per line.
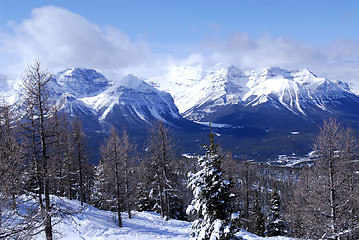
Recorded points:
338,61
60,38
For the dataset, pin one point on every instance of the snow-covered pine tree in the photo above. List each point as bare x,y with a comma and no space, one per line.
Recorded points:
99,195
212,198
275,223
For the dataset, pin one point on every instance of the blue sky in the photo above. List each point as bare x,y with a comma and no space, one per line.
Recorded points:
109,34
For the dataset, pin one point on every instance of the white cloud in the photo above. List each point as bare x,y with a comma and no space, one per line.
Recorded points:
338,61
60,38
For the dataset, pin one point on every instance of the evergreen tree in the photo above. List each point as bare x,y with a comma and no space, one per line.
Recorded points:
258,217
212,197
99,193
144,200
275,223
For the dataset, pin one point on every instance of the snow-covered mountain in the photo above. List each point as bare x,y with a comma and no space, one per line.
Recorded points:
200,92
125,103
264,106
81,82
129,100
194,86
132,97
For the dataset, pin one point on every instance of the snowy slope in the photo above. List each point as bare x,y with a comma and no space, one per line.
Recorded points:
133,96
94,224
87,91
198,91
81,82
193,86
3,83
292,89
9,89
70,104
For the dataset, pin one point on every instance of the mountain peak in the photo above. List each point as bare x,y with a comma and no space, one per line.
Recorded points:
131,81
198,92
81,82
270,72
80,72
234,71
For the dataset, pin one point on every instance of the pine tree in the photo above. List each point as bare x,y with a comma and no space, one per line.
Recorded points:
114,181
58,153
99,191
275,223
212,198
258,217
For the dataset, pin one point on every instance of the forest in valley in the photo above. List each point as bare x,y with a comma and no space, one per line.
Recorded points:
44,154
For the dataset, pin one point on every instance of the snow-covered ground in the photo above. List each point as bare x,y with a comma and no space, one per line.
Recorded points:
94,224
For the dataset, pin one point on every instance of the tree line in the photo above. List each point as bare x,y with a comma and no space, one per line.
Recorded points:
44,155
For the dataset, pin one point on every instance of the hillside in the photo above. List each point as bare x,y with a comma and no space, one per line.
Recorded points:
94,224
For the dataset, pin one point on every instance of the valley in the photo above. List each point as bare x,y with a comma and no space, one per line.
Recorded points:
254,112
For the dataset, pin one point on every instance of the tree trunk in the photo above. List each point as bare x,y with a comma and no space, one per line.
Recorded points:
118,196
161,200
332,202
48,227
68,181
81,181
0,215
127,192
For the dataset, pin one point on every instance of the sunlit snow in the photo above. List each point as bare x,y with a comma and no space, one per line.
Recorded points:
94,224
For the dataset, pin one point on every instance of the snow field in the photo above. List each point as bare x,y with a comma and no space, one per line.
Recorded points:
94,224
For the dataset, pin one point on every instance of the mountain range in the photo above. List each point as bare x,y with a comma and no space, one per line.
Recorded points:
259,113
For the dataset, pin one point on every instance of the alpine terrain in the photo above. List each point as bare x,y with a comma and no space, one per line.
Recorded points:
261,113
275,110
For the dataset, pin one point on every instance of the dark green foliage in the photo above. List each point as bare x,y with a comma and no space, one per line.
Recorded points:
275,223
212,203
258,217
